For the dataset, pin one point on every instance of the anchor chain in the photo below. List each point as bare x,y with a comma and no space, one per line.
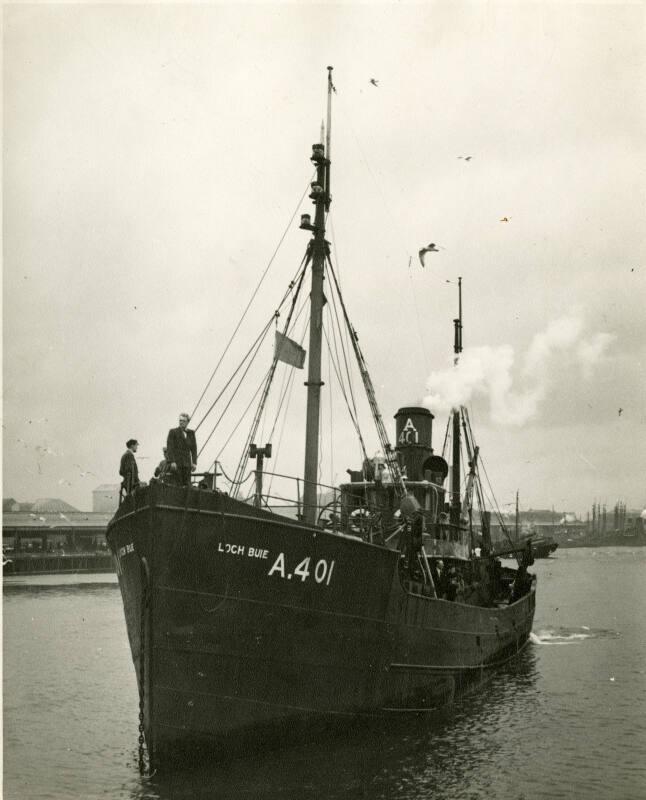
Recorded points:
142,668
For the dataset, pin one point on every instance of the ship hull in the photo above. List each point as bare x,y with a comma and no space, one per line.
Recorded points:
544,549
249,629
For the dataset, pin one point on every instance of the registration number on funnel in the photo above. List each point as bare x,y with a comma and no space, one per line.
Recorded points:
321,571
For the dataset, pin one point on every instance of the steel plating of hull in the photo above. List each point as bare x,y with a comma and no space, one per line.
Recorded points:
255,628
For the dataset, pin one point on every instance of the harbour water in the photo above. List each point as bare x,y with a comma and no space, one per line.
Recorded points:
567,719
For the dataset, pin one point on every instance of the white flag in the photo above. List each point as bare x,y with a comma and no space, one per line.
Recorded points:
288,351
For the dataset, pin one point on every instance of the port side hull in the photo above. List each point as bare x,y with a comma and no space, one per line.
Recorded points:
257,629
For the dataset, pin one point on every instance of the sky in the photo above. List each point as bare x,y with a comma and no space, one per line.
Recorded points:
155,154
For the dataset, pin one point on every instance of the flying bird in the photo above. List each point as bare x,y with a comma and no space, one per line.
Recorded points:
430,248
505,219
374,82
466,158
84,472
620,410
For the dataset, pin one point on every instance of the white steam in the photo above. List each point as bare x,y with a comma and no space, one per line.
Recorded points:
488,371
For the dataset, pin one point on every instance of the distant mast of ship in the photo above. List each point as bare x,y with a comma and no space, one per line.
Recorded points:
317,253
455,471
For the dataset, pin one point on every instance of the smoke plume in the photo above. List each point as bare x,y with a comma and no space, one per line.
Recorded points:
515,395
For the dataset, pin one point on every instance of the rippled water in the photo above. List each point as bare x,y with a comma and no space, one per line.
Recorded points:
566,720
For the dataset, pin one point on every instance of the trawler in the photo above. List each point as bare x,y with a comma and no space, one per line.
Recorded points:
252,625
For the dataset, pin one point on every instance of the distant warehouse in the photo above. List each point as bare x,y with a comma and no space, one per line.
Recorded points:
50,535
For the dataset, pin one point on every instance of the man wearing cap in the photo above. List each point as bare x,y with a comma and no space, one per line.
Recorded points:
182,451
128,467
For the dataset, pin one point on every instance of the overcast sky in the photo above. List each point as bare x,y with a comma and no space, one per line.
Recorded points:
153,158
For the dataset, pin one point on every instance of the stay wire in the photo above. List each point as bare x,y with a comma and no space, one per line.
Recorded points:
272,369
237,425
284,393
289,389
471,447
259,342
343,348
255,292
274,317
352,415
344,331
389,455
494,504
285,389
255,346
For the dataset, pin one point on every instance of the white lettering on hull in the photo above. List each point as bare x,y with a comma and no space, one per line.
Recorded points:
321,572
242,550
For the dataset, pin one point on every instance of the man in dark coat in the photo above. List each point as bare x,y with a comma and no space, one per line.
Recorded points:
182,451
128,467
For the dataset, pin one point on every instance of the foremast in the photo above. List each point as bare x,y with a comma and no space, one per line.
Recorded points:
318,251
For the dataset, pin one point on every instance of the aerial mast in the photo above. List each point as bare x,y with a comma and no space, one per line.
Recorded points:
318,250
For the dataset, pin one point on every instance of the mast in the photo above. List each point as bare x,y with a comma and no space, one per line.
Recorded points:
455,472
318,250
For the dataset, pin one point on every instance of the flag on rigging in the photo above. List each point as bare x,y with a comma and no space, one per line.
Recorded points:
288,351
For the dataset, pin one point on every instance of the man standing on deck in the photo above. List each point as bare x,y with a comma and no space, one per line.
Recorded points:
163,468
128,468
182,451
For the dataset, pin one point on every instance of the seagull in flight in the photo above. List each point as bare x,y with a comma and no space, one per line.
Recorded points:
620,410
83,472
374,81
466,158
505,219
430,248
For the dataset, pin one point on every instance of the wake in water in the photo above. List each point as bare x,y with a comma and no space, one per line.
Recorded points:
571,635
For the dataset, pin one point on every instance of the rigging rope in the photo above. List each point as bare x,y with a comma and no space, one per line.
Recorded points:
275,316
270,375
255,345
446,437
242,377
389,455
288,394
343,349
230,480
242,416
345,334
492,497
285,393
255,292
353,416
